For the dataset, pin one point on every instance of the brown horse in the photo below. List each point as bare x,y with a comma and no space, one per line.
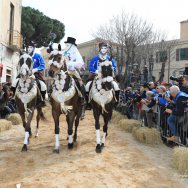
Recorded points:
64,97
26,96
102,98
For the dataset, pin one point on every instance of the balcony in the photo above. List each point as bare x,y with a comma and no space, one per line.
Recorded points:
15,40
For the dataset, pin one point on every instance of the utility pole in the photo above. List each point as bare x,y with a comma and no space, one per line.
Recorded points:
169,48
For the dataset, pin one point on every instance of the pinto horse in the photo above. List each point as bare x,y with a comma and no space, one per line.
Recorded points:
26,96
102,98
64,97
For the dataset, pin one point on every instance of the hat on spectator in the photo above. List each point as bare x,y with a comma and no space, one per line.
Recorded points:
164,83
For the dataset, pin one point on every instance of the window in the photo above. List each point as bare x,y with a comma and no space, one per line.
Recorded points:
161,56
8,71
8,78
181,54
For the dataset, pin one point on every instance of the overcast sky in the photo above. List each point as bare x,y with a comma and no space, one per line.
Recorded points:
81,17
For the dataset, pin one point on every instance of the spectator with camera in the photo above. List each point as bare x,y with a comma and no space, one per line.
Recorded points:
182,82
162,102
177,112
148,104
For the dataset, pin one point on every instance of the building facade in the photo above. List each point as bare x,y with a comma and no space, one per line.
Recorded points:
10,37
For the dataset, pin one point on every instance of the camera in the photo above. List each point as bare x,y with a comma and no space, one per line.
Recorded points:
178,79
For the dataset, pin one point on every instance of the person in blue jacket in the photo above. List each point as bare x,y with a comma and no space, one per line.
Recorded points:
180,100
102,56
38,68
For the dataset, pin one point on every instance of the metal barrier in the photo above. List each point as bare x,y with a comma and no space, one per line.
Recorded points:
180,128
160,121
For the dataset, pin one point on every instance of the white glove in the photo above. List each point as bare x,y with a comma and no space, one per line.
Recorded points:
71,66
96,72
34,70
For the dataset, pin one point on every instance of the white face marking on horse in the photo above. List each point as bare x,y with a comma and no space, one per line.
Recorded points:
25,64
56,59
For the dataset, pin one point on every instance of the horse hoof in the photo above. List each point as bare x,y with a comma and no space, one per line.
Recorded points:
56,151
98,148
102,145
24,148
70,146
36,136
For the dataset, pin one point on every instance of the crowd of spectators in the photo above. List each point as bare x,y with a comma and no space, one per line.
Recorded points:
7,104
160,105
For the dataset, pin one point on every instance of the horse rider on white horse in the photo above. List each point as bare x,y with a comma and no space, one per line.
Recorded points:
74,63
37,71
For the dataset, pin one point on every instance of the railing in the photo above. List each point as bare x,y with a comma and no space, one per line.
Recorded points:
15,40
160,121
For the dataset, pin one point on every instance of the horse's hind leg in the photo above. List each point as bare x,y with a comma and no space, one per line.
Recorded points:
56,121
38,117
96,114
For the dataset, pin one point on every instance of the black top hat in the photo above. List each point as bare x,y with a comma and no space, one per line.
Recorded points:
71,41
101,44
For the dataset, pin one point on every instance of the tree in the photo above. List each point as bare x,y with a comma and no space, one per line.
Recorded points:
36,27
130,32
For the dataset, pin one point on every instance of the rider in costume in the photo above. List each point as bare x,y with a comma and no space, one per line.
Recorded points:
101,57
74,63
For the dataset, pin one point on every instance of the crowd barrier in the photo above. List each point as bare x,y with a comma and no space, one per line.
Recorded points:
159,120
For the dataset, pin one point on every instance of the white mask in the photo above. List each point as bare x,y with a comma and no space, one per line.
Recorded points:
104,50
30,49
68,46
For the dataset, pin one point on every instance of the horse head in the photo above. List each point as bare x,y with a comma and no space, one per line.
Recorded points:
25,65
56,61
106,70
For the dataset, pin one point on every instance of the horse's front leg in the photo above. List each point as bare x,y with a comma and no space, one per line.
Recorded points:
70,121
28,130
96,114
56,115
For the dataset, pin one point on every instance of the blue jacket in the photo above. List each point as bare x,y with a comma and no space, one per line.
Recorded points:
180,103
38,62
94,64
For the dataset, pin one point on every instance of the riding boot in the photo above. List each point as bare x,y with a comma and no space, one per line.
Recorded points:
41,101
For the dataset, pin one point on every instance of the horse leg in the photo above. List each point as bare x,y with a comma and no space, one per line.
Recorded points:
76,127
96,114
105,128
83,112
38,117
70,122
27,130
56,121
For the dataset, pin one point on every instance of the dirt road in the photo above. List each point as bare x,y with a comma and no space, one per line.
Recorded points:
123,163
